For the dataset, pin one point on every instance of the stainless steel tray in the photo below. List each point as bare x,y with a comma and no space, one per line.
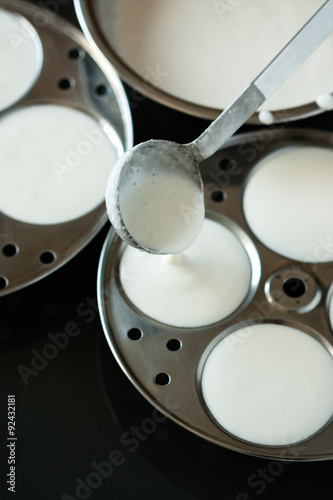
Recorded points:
30,252
140,344
90,14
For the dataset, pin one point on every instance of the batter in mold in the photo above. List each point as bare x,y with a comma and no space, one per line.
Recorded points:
206,52
21,57
203,285
269,384
54,163
288,203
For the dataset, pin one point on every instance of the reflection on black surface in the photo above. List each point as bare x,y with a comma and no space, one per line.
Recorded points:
205,470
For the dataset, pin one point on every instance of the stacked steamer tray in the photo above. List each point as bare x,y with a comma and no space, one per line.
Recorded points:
64,121
198,56
233,339
246,380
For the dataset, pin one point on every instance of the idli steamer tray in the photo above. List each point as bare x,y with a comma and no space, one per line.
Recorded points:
168,375
30,252
91,16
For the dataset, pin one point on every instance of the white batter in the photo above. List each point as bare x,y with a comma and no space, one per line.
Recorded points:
266,117
325,101
21,57
205,284
163,212
207,51
269,384
288,203
54,163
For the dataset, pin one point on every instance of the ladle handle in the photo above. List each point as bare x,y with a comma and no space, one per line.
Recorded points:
300,47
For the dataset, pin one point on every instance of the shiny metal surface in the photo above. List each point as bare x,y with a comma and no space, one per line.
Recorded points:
293,289
91,74
89,14
143,353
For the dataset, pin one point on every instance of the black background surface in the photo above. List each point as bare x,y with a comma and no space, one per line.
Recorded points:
80,408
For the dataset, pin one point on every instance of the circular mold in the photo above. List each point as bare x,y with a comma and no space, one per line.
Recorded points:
269,384
47,241
179,55
21,57
48,181
205,284
291,192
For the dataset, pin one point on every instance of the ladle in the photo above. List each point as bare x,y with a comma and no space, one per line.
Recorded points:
155,197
